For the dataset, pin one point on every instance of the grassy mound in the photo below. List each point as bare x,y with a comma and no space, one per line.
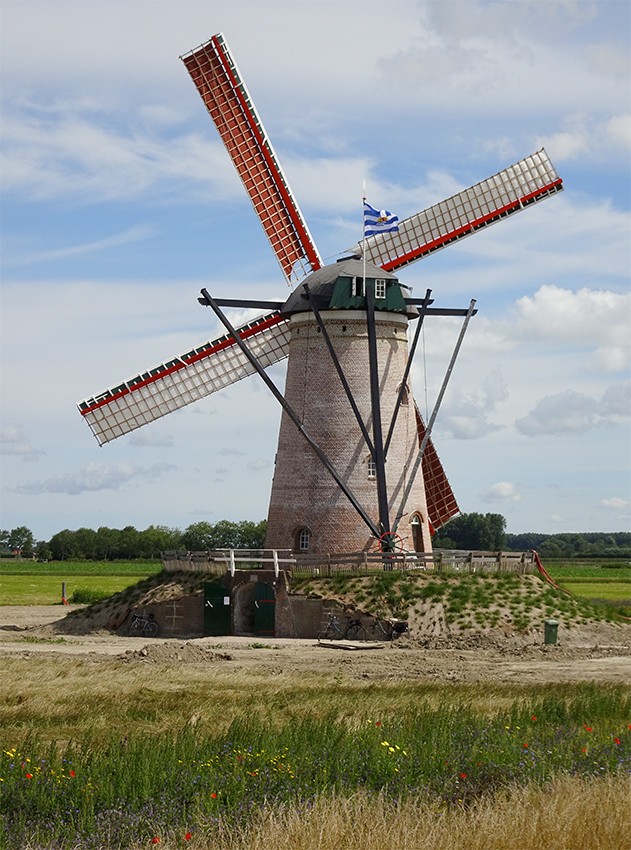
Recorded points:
456,603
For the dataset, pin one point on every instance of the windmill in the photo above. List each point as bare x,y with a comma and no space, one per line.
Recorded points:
355,461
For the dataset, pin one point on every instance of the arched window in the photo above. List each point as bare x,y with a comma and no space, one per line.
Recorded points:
417,532
303,539
405,394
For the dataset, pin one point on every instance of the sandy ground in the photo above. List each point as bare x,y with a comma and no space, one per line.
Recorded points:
598,653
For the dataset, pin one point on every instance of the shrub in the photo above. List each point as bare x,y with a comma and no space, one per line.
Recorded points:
87,596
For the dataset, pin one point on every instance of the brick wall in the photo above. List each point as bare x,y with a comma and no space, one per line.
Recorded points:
304,495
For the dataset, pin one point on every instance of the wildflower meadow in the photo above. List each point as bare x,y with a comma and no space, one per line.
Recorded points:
192,786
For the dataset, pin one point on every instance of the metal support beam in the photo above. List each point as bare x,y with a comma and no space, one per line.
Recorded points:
339,370
417,463
242,303
375,403
403,388
210,301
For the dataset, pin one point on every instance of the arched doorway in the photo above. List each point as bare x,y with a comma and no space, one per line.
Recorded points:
255,609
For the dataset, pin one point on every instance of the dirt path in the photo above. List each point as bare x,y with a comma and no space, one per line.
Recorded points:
601,654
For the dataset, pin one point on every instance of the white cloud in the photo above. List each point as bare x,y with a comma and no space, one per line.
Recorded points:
615,503
596,320
503,491
94,477
14,442
148,438
573,412
466,414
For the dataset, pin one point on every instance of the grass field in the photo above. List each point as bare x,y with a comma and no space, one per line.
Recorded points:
30,583
123,756
115,755
594,589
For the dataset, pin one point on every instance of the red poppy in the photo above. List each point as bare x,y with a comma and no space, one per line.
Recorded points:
525,745
583,749
378,723
155,839
616,740
188,836
463,775
214,795
587,728
29,775
534,717
72,773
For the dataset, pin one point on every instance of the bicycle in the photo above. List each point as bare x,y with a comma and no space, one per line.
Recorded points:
352,629
142,626
391,628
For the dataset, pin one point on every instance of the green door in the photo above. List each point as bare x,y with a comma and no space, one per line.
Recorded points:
217,610
264,609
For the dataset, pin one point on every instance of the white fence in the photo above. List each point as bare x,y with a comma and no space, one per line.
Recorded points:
219,561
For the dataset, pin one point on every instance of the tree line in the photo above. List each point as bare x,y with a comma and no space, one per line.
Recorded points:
111,544
486,532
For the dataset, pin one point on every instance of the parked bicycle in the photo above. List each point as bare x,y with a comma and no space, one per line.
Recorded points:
389,629
350,629
142,626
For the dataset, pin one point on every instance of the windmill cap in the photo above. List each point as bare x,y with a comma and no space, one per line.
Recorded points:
330,289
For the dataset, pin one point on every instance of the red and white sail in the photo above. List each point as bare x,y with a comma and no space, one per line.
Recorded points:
519,186
217,78
184,379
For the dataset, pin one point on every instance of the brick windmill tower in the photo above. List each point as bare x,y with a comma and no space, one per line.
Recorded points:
355,465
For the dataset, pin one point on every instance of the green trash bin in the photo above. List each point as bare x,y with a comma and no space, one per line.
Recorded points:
551,630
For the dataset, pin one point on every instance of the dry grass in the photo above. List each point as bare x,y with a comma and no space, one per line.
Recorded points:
570,814
65,698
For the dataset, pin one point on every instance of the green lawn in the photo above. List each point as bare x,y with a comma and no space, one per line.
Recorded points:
46,589
620,590
141,569
32,583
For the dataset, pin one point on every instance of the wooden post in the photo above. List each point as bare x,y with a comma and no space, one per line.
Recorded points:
64,601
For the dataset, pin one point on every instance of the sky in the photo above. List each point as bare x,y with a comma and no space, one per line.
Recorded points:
119,204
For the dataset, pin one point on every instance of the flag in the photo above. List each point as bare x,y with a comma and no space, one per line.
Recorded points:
379,221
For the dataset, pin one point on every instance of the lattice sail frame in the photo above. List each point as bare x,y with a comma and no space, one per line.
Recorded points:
441,501
184,379
221,87
526,182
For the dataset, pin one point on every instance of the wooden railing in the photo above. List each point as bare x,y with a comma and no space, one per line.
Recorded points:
217,562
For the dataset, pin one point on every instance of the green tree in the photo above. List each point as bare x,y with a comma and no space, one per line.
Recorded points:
42,551
157,539
21,541
85,543
107,543
198,537
473,531
62,545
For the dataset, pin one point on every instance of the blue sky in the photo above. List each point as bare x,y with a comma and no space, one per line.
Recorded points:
119,204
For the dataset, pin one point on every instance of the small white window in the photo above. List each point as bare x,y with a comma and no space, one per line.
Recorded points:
357,286
372,468
380,288
304,539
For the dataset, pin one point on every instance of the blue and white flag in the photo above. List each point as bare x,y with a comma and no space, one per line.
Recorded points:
379,221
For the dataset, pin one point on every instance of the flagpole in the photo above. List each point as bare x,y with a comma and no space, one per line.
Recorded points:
364,236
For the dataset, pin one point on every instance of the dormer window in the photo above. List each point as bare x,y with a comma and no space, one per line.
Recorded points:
357,287
380,288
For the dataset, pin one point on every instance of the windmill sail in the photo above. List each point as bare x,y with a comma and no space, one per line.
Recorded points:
441,502
217,78
526,182
184,379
